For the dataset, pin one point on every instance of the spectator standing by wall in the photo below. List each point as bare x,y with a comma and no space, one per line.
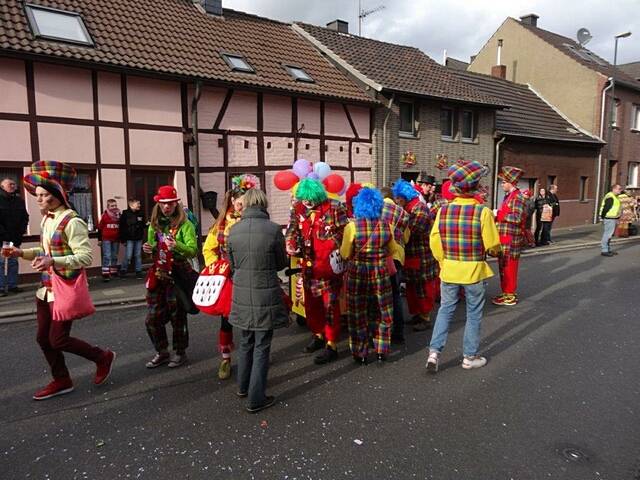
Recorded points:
132,230
109,235
610,212
554,201
13,225
544,216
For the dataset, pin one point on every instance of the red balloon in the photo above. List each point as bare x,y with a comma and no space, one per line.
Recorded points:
285,180
334,183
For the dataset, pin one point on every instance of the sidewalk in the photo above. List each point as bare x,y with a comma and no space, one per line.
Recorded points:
129,291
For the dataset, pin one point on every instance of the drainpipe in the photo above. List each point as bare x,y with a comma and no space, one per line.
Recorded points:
597,200
384,142
196,159
496,169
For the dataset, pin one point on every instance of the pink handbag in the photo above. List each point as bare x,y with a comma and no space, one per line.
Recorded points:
71,297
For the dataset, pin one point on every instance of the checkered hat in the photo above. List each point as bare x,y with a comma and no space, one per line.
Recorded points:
510,174
465,177
51,175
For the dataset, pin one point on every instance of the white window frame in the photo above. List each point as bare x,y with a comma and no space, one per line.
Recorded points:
633,176
635,119
37,31
453,132
412,132
227,57
473,127
299,74
616,112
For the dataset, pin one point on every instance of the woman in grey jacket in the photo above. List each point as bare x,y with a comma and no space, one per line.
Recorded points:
257,253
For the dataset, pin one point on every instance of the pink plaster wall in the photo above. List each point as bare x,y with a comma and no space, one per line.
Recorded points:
13,86
209,105
239,156
15,141
360,156
180,183
109,97
334,157
279,201
67,143
276,113
149,147
361,119
309,115
211,154
155,102
336,121
112,145
114,185
215,182
32,208
313,152
242,112
279,153
362,177
63,91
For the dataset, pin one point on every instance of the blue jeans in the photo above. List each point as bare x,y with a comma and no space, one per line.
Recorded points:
474,298
253,364
134,248
609,228
11,278
110,256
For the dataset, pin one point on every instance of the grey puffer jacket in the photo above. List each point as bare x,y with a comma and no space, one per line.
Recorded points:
257,253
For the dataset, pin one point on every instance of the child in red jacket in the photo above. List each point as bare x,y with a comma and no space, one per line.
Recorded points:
109,234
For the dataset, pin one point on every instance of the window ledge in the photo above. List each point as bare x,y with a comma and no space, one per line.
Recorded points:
448,139
469,141
635,130
407,135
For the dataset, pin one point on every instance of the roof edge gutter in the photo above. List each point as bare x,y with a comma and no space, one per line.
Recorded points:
344,64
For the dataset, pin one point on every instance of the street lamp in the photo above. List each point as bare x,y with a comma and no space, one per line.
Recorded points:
612,105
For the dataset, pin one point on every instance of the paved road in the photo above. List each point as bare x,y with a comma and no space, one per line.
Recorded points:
563,374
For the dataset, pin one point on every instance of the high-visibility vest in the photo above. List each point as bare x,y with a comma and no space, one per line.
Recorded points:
614,211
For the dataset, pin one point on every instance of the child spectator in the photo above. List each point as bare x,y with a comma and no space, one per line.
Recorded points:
109,234
132,232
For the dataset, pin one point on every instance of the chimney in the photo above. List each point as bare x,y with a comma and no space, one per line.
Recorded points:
339,26
499,70
213,7
530,19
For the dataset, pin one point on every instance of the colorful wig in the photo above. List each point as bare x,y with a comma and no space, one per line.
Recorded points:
311,190
368,204
243,183
403,189
349,195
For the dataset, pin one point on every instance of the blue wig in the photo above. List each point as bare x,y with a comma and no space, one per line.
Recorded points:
368,204
403,189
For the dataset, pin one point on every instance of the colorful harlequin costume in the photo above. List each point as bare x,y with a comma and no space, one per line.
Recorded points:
64,239
215,248
510,218
421,269
315,234
367,242
463,232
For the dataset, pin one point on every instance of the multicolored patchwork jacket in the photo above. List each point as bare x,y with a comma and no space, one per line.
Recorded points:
460,229
371,242
58,247
397,218
509,221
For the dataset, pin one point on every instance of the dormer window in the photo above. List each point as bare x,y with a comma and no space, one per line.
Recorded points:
59,25
299,74
238,63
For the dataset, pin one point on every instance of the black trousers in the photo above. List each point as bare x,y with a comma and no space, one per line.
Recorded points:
253,364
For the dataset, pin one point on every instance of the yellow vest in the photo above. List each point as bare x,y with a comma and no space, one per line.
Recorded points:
614,211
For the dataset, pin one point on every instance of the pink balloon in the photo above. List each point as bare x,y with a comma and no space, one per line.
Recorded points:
302,168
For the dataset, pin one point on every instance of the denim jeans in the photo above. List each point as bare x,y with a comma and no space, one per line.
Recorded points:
10,280
110,256
253,364
609,228
134,249
474,298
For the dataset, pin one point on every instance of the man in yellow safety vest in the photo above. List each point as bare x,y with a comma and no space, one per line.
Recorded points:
610,213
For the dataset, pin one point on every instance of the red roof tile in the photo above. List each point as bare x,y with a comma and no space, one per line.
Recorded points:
175,37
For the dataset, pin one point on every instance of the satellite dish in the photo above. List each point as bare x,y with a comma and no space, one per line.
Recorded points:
584,36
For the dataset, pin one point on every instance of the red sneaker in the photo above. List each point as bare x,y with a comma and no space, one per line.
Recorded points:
104,367
59,386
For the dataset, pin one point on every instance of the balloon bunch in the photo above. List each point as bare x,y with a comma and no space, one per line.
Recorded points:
302,168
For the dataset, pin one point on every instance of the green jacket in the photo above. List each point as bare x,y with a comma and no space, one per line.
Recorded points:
186,241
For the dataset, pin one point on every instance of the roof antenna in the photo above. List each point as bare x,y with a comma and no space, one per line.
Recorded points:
362,14
584,36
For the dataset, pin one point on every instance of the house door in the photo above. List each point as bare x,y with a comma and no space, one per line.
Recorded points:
145,185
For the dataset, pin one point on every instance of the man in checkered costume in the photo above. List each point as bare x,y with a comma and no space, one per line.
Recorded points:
462,234
509,219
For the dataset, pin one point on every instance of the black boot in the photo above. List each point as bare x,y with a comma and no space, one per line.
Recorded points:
382,358
327,355
359,360
314,345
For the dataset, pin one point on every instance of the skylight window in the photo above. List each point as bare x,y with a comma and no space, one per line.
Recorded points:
58,25
299,74
238,63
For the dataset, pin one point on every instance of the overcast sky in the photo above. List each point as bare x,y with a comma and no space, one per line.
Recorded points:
462,26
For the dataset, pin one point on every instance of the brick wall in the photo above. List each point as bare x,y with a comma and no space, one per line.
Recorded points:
567,163
428,143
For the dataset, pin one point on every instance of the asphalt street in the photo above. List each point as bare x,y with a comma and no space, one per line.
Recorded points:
558,398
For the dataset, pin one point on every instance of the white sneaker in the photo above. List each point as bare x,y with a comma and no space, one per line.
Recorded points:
473,362
177,360
432,362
